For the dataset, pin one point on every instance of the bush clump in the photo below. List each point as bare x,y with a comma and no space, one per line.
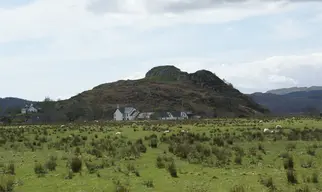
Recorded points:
291,176
76,164
51,164
173,169
6,183
268,182
10,169
238,188
160,163
40,170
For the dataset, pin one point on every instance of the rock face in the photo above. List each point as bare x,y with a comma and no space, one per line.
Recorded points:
166,73
165,88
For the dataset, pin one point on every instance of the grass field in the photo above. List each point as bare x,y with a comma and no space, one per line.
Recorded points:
210,155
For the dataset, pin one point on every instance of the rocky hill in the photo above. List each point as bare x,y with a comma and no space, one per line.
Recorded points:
163,88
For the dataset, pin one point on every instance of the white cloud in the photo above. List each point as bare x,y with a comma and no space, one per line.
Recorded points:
289,29
77,35
58,18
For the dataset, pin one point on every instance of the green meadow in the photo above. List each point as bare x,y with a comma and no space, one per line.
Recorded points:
228,155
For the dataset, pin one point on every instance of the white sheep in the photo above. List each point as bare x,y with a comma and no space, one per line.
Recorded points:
118,133
261,121
278,127
167,131
62,126
266,130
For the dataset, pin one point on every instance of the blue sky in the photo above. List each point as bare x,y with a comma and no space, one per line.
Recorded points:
59,48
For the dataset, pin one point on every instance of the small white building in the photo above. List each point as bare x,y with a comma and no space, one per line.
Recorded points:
125,113
29,109
176,115
145,115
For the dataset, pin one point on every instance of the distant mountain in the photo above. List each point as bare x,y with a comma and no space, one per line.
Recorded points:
284,91
11,103
294,102
164,88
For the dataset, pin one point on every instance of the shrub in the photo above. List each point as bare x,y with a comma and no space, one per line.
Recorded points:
268,182
91,167
119,187
172,169
10,168
154,142
315,178
69,175
51,164
311,151
239,150
252,151
148,184
291,176
160,163
290,146
303,189
40,170
76,165
218,141
6,183
284,155
238,188
97,153
289,163
261,148
142,148
77,151
238,160
197,187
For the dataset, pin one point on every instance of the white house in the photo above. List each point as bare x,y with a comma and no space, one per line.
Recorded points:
125,113
29,109
176,115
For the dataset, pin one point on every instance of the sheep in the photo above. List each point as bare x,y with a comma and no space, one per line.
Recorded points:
266,130
167,131
278,127
118,133
62,126
261,121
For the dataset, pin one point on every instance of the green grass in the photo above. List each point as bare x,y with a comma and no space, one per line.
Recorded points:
202,164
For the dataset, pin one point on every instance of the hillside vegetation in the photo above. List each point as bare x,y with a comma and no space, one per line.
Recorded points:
164,88
10,103
284,91
300,102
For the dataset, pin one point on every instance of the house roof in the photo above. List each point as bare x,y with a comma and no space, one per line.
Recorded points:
126,110
162,114
176,114
145,114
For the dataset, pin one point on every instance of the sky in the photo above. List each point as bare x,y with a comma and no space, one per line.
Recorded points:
59,48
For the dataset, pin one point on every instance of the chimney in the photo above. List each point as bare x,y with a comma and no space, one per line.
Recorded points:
117,106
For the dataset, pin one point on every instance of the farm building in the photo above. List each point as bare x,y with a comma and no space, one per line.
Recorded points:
125,113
